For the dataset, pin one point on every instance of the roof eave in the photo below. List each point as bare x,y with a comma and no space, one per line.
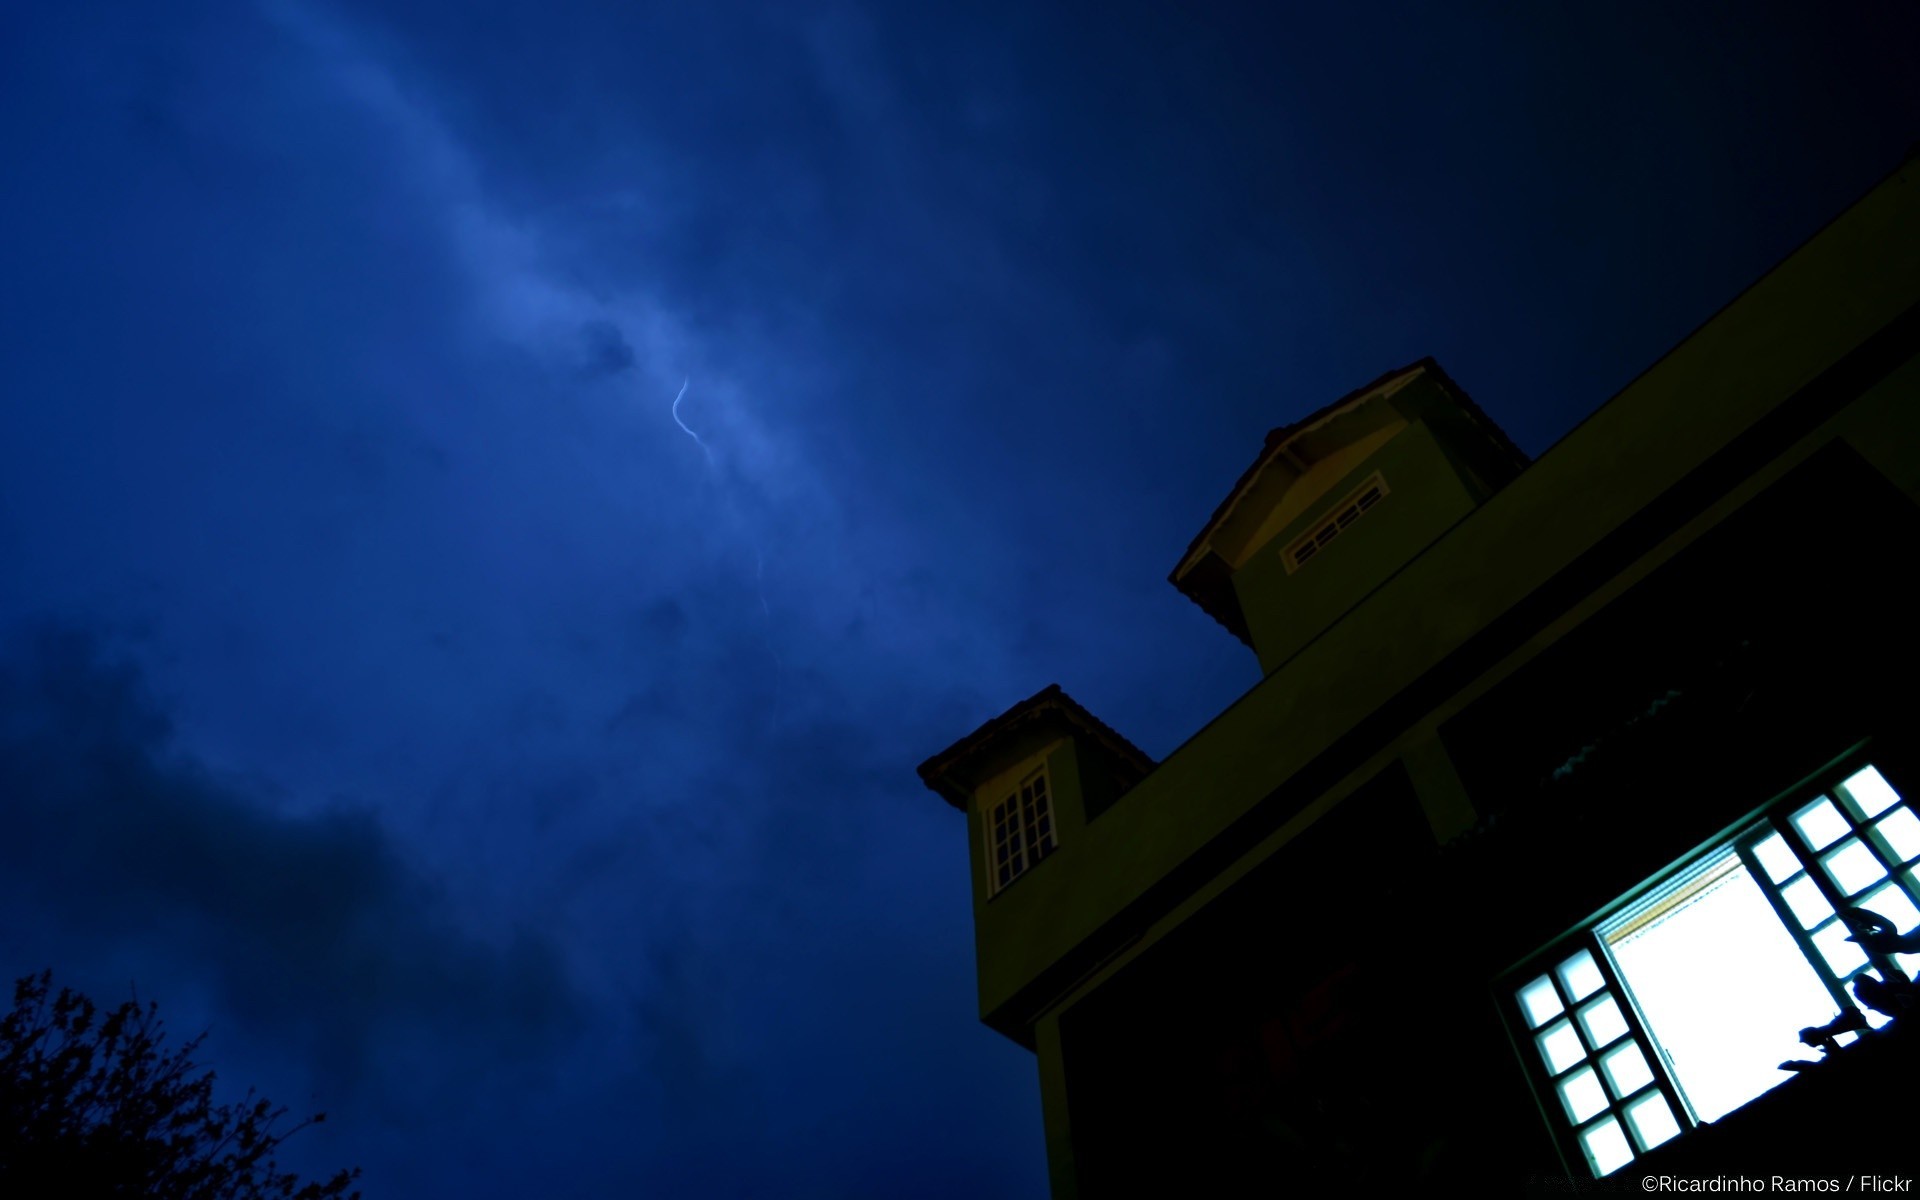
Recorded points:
1275,444
1212,590
938,771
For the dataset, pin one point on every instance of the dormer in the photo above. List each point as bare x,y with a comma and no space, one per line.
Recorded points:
1029,781
1340,500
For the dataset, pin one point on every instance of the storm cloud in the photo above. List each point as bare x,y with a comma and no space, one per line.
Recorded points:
313,928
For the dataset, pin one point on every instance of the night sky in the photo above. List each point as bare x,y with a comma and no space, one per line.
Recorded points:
391,685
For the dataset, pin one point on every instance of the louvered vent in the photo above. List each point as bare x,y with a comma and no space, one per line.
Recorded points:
1344,514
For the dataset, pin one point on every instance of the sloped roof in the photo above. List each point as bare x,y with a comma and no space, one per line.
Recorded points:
1048,704
1212,588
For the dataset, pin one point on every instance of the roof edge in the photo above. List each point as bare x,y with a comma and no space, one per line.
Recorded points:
936,772
1207,592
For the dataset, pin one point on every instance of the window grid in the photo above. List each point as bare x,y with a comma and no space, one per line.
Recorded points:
1344,514
1854,828
1585,1050
1802,935
1021,831
1548,1008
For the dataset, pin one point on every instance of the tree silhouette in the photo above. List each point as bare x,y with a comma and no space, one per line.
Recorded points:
98,1106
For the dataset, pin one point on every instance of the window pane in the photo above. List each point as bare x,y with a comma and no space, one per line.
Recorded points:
1893,903
1853,866
1870,793
1841,955
1606,1147
1899,834
1626,1069
1580,976
1821,823
1652,1120
1804,898
1582,1095
1540,1002
1561,1047
1602,1022
1775,858
1722,987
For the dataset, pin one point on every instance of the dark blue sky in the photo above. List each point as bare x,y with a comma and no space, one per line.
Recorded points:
390,684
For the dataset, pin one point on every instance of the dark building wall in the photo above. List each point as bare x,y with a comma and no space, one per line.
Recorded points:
1100,784
1308,1033
1329,1017
1797,611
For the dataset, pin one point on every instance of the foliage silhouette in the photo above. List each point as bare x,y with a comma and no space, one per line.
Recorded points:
96,1105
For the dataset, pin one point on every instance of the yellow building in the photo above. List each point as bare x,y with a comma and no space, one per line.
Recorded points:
1538,843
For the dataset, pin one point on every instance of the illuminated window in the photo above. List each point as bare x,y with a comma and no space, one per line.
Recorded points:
1020,831
1679,1006
1344,514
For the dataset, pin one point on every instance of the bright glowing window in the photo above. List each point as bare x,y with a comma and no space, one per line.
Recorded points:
1678,1007
1720,983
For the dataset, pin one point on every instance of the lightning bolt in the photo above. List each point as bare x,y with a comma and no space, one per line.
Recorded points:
759,555
704,448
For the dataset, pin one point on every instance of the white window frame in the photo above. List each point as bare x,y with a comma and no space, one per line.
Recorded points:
1557,1047
1019,830
1356,504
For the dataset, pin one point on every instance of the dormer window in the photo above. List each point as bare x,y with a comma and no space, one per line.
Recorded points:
1344,514
1020,830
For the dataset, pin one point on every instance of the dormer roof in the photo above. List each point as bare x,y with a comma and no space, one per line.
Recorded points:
1205,573
957,770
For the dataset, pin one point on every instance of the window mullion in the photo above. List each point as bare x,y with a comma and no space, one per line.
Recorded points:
1656,1054
1809,861
1816,871
1802,937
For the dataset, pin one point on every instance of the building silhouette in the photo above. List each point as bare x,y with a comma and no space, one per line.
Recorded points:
1550,825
